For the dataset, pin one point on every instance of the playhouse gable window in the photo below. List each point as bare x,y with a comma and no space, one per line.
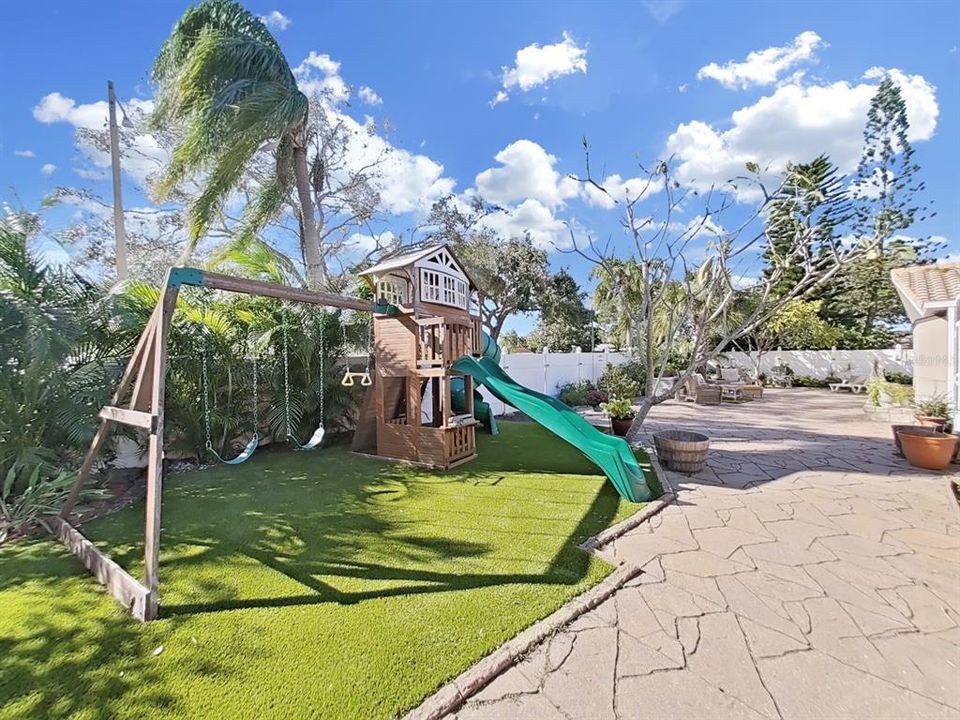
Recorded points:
442,281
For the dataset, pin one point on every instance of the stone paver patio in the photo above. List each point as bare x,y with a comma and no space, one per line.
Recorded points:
807,573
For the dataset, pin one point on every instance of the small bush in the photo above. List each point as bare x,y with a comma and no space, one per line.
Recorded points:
575,393
899,378
596,397
811,382
618,382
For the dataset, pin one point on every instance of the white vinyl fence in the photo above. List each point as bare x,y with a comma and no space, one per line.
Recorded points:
543,372
821,363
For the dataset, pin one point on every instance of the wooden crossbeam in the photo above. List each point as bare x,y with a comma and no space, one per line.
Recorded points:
136,418
282,292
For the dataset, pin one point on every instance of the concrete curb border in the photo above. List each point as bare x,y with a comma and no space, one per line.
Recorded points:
455,693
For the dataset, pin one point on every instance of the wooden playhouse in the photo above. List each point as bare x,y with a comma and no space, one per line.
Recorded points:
409,413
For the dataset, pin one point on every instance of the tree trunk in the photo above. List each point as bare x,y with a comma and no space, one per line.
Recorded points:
316,269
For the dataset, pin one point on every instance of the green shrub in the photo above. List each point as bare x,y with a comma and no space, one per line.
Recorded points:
619,383
575,393
899,378
810,382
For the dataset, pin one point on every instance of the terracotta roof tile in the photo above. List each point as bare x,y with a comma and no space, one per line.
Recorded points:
928,283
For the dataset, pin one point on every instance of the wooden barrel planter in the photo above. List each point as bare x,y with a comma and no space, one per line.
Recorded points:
681,450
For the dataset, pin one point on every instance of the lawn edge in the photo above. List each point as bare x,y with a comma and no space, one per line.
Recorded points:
454,694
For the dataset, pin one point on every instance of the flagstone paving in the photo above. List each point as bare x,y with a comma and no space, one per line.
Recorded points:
806,573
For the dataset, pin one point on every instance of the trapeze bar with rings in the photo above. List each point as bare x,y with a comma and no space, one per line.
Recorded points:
349,376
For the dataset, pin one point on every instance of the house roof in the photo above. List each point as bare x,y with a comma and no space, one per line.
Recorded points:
409,257
925,288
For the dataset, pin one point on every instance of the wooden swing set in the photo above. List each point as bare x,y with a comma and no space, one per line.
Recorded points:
138,402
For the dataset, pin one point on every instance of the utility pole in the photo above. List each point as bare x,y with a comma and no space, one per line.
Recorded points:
118,226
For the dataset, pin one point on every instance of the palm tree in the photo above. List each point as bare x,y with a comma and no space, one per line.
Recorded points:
222,77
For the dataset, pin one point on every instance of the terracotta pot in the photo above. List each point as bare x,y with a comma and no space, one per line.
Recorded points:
934,422
896,438
927,448
621,425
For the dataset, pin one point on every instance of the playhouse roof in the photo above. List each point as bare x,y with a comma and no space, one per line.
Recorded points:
409,257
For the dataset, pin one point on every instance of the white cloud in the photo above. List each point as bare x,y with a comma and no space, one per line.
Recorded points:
764,67
537,64
25,153
91,174
368,96
794,124
146,155
663,10
48,168
276,20
618,190
527,172
328,83
530,216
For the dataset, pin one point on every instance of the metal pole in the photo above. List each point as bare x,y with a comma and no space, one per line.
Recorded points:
118,227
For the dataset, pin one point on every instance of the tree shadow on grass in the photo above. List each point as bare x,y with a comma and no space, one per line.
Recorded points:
334,567
373,529
54,662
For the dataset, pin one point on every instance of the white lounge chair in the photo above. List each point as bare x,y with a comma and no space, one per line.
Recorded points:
854,385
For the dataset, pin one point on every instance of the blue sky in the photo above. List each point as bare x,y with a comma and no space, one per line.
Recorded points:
638,79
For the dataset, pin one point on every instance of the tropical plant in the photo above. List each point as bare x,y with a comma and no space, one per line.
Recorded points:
619,409
23,504
58,353
223,78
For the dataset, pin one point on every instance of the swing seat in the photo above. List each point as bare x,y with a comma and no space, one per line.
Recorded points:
314,440
242,457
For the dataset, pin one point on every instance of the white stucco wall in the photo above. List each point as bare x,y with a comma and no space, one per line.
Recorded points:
930,357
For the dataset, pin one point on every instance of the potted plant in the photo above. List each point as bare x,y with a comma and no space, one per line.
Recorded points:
621,415
934,412
927,447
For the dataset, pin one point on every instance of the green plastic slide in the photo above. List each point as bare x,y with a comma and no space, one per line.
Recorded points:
611,454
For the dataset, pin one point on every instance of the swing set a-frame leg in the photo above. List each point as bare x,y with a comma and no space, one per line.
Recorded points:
146,373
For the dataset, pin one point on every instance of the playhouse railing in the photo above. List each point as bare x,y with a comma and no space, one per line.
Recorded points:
443,340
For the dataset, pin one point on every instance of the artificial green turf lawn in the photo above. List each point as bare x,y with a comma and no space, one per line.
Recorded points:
307,585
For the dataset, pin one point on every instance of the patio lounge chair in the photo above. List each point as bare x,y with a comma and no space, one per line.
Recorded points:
779,377
700,391
854,385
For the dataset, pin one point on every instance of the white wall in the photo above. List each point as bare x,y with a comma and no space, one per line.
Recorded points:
543,372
